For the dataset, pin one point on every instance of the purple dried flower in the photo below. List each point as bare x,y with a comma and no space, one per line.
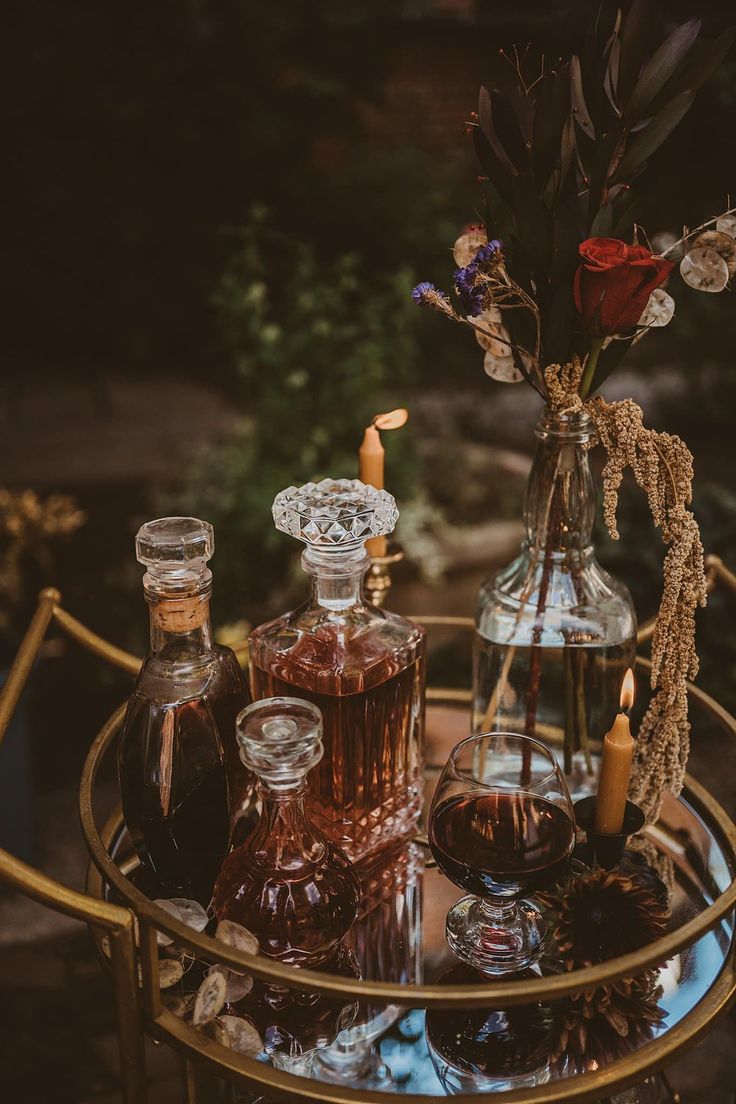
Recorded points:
471,297
488,251
421,291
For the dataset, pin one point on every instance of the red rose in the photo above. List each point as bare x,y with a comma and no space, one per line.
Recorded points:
614,282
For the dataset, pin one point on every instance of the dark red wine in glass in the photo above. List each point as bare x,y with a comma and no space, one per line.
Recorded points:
501,825
500,844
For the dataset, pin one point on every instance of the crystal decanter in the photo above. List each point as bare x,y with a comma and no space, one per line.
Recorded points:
363,667
178,745
555,632
288,884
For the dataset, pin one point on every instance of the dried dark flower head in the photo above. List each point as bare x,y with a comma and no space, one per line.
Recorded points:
604,914
606,1023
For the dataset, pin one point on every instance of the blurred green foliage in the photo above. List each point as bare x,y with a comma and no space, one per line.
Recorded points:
315,352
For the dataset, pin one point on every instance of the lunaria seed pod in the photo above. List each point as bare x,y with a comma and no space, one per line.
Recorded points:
210,999
488,332
238,985
217,1031
170,970
176,1004
191,913
704,269
659,310
243,1036
468,244
235,935
163,939
723,244
185,911
663,242
502,368
726,224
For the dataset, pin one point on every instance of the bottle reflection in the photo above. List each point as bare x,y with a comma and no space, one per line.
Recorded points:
296,1025
488,1049
386,942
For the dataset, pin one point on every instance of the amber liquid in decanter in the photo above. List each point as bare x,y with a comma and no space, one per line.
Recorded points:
363,668
288,884
367,790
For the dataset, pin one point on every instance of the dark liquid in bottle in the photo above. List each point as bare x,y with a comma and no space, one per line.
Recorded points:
500,843
173,780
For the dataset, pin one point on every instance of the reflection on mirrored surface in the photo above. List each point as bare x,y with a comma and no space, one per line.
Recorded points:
489,1049
386,942
688,857
296,1025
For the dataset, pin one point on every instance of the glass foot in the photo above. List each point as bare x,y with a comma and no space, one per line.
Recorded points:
497,939
355,1064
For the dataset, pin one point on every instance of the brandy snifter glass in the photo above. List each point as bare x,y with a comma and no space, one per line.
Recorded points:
501,825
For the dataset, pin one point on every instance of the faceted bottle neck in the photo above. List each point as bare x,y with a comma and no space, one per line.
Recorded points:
181,628
284,835
559,507
337,575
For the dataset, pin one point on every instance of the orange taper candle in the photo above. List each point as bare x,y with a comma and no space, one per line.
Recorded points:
371,457
618,753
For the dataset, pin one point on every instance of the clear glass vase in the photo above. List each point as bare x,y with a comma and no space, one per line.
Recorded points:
554,631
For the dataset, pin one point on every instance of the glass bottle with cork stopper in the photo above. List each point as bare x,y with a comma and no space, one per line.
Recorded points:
363,667
289,885
178,765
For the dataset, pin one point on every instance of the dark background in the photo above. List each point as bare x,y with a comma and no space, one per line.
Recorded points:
214,215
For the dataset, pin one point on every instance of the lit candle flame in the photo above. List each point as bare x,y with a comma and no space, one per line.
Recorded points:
395,419
627,691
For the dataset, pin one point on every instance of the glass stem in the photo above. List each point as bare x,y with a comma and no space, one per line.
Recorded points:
497,911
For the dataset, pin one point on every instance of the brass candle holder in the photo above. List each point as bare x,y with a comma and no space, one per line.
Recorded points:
378,580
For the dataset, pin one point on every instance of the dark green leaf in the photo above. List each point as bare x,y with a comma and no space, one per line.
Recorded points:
606,149
505,103
568,230
485,118
705,59
624,218
602,224
577,99
594,58
522,106
609,359
532,222
490,164
650,139
552,109
558,326
567,148
660,67
610,81
634,35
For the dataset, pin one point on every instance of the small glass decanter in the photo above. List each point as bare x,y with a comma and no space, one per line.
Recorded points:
288,884
363,667
555,632
178,749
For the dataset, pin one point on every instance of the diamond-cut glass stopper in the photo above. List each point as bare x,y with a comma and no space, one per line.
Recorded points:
335,513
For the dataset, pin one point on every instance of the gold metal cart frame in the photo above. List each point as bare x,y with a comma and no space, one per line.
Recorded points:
131,931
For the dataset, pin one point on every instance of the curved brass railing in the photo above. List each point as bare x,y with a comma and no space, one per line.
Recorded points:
132,930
